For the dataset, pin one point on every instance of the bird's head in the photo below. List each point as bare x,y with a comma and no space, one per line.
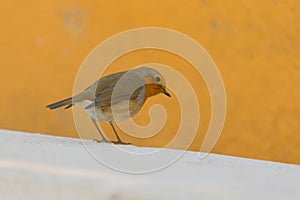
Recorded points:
154,81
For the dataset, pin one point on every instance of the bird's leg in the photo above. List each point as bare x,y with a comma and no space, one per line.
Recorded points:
119,140
98,129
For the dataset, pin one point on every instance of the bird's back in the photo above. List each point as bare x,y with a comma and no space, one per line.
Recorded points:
122,94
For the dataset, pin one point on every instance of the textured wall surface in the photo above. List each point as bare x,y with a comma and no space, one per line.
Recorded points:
254,43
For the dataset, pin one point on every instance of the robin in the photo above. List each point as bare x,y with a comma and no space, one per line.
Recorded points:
117,97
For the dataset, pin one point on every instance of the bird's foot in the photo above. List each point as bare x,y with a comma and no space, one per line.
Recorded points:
100,141
113,142
120,142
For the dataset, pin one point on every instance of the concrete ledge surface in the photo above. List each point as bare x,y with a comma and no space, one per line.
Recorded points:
34,166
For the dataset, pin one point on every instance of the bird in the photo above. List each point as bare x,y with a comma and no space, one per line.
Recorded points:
117,97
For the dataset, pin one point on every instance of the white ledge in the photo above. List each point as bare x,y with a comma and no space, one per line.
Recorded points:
34,166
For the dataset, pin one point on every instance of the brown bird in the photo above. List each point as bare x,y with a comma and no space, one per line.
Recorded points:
117,97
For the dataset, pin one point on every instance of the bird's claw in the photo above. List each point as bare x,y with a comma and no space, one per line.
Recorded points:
100,141
120,142
114,142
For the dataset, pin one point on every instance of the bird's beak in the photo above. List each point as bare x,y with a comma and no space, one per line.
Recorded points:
163,90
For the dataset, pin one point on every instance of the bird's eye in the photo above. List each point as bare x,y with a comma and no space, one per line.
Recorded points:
157,78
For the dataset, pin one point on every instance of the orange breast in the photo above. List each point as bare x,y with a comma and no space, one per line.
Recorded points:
151,90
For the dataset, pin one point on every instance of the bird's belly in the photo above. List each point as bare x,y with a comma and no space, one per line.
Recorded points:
96,114
119,112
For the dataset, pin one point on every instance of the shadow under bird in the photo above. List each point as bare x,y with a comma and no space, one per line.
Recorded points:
117,97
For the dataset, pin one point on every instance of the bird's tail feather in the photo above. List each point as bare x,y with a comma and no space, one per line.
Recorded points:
66,102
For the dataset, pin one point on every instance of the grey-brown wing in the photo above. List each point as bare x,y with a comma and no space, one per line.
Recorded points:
105,82
129,86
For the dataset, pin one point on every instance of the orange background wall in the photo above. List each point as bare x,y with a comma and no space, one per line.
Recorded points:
256,45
